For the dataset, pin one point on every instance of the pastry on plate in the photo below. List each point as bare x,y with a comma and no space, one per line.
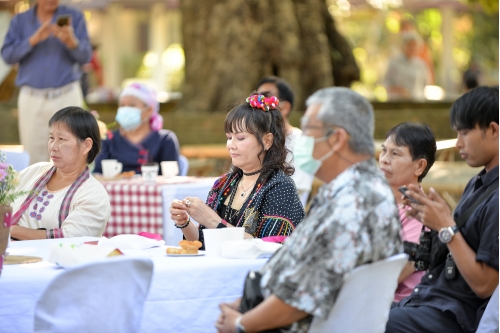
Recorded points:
187,247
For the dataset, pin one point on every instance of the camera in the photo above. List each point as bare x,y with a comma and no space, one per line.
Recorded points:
420,253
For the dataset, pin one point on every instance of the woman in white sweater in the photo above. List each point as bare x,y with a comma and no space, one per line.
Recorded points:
63,199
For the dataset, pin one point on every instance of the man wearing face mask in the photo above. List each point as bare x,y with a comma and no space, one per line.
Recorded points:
352,221
140,138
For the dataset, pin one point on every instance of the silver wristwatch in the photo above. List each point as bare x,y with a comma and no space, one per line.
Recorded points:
239,328
445,235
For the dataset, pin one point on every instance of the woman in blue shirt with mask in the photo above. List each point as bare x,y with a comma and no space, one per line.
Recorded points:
140,138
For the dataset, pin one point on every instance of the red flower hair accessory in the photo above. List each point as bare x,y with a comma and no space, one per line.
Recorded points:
263,102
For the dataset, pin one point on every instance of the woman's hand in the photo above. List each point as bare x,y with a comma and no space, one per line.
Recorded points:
199,211
227,317
23,233
178,212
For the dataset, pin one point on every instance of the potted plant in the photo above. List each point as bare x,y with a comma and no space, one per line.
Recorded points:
8,194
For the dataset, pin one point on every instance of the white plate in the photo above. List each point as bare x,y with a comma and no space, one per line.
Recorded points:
200,253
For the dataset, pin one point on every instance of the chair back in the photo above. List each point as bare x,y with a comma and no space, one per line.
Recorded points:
304,195
104,296
365,299
183,165
489,320
18,160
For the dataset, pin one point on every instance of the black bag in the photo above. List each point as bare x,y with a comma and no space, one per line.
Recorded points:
439,251
252,295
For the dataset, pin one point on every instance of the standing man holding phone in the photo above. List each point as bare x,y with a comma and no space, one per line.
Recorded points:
50,43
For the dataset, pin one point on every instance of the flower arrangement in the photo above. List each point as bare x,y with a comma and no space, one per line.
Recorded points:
8,182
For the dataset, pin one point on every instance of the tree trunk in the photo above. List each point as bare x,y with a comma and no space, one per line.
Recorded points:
231,44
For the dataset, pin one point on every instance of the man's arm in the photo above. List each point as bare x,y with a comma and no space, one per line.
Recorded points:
80,51
271,313
435,214
15,47
481,278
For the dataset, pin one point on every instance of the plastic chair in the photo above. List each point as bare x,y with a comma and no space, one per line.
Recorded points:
104,296
489,320
365,299
304,196
18,160
183,165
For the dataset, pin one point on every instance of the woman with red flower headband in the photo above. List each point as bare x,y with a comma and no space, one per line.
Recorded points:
257,192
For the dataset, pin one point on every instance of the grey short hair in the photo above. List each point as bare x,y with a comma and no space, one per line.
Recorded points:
345,108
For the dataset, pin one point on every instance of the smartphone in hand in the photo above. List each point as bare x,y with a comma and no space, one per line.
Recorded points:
403,190
63,20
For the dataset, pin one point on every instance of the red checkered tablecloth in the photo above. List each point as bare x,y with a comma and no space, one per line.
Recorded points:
135,206
138,206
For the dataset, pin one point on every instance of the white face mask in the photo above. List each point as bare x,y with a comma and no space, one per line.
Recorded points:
129,117
303,154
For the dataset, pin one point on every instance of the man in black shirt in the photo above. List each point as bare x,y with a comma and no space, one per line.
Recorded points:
453,293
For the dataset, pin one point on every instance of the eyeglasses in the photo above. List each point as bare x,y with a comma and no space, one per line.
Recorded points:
329,129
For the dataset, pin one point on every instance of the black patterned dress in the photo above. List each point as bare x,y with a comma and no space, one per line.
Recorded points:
272,209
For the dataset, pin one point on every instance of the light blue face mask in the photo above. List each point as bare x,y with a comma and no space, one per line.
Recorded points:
303,154
128,117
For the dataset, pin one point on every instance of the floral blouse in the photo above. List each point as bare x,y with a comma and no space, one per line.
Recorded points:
352,221
272,209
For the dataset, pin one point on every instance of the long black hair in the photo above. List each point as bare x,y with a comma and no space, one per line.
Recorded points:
245,118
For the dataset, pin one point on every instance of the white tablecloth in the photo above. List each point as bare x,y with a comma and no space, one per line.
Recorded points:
183,297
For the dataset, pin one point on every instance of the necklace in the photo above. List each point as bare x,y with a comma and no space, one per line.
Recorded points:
252,173
228,216
243,191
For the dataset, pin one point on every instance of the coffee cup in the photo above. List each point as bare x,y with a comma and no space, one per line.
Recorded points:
111,168
169,169
215,238
149,172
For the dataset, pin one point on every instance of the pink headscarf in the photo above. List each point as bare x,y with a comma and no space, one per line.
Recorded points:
148,96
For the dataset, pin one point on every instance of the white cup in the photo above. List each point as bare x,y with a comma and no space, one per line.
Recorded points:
111,168
215,238
149,172
169,169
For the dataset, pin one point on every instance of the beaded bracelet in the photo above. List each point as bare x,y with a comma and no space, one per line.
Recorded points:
182,226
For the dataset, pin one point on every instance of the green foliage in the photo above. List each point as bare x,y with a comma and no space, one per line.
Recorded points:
484,42
7,182
489,6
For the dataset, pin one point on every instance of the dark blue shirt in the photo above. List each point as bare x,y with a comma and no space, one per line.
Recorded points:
48,64
156,147
480,232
